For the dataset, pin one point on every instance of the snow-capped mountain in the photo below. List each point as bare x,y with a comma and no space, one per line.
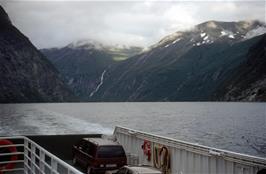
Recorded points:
86,44
212,61
213,31
83,63
186,65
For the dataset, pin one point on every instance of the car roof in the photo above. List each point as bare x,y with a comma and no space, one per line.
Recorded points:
147,170
101,141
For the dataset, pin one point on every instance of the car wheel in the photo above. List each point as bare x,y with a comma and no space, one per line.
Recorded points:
89,170
74,161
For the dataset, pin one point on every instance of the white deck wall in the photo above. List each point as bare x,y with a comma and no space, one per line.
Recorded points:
188,158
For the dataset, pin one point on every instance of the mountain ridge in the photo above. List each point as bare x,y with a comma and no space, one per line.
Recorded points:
151,74
83,63
248,80
208,62
26,75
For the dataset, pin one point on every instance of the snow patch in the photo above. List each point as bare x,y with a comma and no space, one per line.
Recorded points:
198,44
202,34
223,33
166,46
231,36
176,40
168,39
255,32
206,37
86,44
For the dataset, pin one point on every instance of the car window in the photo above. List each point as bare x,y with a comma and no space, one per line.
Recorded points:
110,152
91,149
82,145
87,147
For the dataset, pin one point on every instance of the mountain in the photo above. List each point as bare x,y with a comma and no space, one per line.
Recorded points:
248,80
84,63
185,66
26,75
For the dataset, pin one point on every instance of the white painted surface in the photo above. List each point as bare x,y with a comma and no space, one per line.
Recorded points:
188,158
36,160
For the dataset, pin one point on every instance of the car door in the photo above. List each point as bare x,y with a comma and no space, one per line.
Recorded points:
80,152
84,157
77,151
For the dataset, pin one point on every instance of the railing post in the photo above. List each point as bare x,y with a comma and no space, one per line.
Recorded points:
32,157
54,165
36,160
25,156
42,161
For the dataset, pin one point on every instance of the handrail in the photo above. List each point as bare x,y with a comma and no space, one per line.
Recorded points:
34,159
195,148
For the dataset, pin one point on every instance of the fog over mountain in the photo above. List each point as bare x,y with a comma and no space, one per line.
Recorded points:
190,65
132,23
82,63
92,57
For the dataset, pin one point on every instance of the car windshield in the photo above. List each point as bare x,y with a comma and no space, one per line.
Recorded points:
111,152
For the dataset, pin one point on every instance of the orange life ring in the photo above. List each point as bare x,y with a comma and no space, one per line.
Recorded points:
146,147
11,149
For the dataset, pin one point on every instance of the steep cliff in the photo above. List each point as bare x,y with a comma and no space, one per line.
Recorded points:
25,73
248,81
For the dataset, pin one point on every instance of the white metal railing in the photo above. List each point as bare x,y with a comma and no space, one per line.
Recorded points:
33,159
189,157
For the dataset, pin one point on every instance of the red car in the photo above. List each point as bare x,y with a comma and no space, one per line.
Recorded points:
98,155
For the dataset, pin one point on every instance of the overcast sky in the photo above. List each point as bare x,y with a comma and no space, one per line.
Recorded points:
141,23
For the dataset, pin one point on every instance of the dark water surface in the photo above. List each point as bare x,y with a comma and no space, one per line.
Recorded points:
239,127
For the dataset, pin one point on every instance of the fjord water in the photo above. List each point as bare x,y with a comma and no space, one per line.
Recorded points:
239,127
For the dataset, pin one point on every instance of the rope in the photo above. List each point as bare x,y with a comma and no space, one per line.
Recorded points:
161,158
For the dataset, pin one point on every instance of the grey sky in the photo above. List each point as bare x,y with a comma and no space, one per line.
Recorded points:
142,23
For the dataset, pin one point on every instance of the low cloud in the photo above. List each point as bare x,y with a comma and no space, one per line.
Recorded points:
142,23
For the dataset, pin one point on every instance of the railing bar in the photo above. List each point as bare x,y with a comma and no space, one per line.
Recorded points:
188,146
15,161
12,145
29,168
62,163
33,153
12,138
44,162
11,170
30,157
38,168
13,153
